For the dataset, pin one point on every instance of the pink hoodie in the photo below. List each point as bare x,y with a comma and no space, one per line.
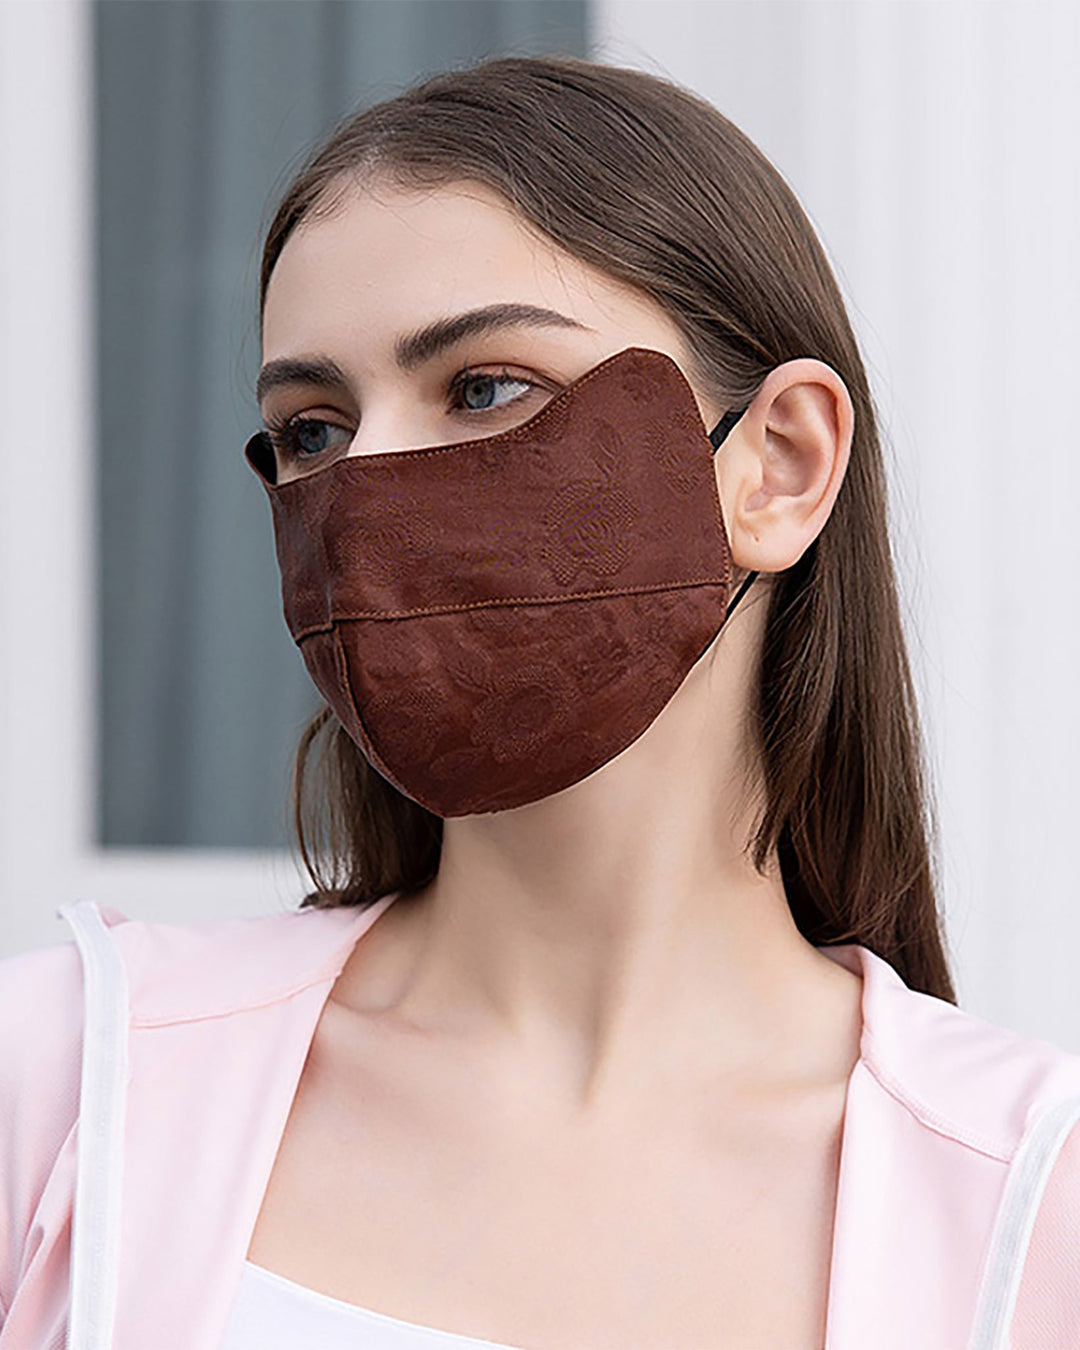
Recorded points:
131,1179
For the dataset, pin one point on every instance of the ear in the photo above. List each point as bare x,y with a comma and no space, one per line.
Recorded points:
781,466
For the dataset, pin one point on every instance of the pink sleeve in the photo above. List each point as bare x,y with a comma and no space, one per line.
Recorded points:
1047,1315
40,1070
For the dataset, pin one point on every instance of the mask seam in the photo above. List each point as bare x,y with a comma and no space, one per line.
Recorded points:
378,615
371,752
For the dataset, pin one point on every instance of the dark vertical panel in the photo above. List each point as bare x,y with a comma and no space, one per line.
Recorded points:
202,109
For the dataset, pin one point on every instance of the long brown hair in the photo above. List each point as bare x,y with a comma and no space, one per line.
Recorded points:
652,185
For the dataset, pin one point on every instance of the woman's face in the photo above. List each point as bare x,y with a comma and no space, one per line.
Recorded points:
411,318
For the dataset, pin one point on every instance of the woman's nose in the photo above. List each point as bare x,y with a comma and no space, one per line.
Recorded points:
395,426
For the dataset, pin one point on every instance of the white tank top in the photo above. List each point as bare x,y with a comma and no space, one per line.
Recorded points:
273,1313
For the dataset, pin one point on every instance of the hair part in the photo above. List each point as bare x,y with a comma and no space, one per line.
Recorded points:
652,185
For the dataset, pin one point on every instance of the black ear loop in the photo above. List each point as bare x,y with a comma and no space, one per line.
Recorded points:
716,436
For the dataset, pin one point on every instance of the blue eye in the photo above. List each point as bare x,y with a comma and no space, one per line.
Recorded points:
307,437
476,392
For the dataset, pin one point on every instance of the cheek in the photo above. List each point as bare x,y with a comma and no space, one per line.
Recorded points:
725,488
740,497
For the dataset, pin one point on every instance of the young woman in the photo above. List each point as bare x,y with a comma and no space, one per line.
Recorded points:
650,1041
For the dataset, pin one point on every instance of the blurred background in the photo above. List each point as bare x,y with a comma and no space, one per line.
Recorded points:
150,696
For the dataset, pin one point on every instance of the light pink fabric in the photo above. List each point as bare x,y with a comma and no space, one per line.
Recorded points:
221,1018
1048,1309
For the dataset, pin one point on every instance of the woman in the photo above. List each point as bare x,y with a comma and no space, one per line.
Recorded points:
581,518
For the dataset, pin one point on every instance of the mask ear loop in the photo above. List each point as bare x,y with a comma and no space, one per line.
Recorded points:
716,436
720,432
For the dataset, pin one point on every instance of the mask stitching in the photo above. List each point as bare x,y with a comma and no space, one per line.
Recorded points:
370,750
376,615
346,683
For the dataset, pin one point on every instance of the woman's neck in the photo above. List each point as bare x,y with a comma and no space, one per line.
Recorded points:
619,928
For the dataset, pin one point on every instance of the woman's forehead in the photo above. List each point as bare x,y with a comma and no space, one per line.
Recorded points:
390,238
389,259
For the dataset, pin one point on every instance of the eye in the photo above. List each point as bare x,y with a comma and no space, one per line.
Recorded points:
306,437
478,391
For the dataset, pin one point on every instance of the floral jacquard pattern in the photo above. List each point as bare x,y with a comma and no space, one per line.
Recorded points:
522,709
644,384
663,447
587,533
586,677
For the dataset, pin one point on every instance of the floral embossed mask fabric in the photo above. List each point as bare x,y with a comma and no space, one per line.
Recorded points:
492,621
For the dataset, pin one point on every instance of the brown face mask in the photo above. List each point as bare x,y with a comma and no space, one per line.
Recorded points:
494,620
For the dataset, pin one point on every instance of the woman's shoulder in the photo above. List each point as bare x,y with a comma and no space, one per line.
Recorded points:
984,1107
41,994
174,971
40,1075
981,1082
162,974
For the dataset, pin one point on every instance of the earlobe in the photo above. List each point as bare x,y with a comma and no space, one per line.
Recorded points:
781,468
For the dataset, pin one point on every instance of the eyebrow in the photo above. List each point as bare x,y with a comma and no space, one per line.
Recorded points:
320,372
413,349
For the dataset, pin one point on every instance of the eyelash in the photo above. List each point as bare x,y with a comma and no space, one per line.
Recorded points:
283,430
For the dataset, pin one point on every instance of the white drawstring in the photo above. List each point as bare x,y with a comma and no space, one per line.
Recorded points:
95,1229
1025,1183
